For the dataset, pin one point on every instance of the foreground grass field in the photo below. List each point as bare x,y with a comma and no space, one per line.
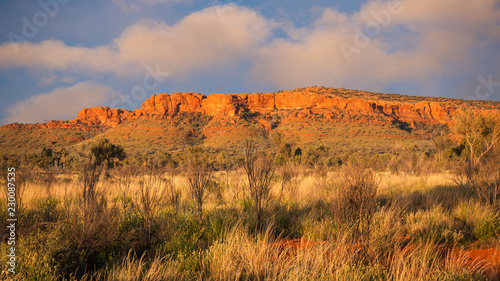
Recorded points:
143,225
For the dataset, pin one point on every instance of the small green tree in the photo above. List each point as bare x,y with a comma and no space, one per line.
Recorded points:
42,161
480,133
59,158
441,144
166,159
316,154
105,152
99,155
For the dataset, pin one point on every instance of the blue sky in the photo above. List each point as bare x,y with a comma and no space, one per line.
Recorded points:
59,56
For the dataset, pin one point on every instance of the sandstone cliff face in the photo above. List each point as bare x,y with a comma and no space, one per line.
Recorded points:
102,116
233,105
161,105
221,105
297,104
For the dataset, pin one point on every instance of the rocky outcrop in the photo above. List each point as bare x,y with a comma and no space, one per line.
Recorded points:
161,105
234,105
103,116
298,104
334,117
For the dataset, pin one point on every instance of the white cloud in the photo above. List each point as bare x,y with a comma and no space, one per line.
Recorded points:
60,104
415,43
56,55
200,41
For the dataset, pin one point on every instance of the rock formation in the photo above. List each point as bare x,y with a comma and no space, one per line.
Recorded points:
302,103
347,120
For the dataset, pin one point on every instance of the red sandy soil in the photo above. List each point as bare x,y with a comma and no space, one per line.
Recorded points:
485,260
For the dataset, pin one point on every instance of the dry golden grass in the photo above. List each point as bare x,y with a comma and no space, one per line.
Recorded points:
416,215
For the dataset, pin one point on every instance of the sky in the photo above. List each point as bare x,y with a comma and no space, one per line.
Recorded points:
59,56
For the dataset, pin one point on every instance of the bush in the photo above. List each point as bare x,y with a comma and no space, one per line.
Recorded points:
184,235
86,239
485,180
355,202
480,219
432,226
199,176
259,168
46,209
286,220
480,133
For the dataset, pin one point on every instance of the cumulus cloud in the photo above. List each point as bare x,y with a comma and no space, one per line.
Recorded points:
56,55
383,43
60,104
200,41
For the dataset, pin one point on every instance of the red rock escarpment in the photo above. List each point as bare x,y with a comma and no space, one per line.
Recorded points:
300,102
230,105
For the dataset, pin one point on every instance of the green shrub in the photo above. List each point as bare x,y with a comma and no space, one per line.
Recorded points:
184,235
130,224
487,229
33,262
221,220
46,209
434,225
285,217
247,204
480,218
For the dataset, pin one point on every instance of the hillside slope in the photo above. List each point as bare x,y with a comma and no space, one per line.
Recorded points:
346,120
